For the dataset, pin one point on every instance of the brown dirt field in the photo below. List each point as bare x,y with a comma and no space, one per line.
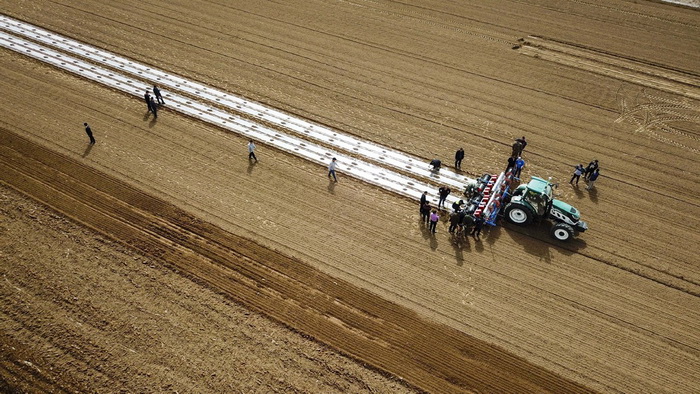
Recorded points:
617,309
83,313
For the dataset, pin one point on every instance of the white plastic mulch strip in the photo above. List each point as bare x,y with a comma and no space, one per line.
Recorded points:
359,169
337,140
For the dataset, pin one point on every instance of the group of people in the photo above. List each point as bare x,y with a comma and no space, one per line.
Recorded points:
590,174
153,101
515,161
459,156
459,219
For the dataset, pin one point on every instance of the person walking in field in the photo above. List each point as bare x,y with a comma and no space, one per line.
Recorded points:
147,98
523,144
434,218
577,174
154,107
592,166
331,169
592,178
251,151
88,130
159,97
459,156
443,192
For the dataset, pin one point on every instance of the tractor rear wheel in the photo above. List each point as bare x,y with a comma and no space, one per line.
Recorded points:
519,214
562,232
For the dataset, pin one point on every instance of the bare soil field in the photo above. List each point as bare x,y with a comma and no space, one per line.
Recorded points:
83,313
348,264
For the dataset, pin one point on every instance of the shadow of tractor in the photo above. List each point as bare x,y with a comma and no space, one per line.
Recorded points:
537,241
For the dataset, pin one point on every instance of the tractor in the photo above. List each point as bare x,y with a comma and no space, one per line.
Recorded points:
534,201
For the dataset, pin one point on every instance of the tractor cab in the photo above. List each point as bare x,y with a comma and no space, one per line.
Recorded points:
534,201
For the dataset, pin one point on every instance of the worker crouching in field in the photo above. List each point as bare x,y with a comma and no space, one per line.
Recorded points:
435,164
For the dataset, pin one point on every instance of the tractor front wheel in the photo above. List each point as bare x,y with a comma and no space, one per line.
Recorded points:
519,214
562,232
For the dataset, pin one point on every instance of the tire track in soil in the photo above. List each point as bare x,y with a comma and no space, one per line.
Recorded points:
387,336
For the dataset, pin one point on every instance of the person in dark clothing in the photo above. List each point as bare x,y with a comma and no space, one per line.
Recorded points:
459,156
592,166
517,148
454,221
159,97
523,144
478,225
88,130
511,163
466,221
423,198
147,97
592,178
154,107
425,212
435,163
443,192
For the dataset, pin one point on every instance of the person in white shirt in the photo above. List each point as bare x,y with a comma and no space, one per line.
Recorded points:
578,171
331,169
251,151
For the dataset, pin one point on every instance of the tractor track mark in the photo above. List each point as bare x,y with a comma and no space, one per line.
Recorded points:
640,72
622,11
425,353
421,17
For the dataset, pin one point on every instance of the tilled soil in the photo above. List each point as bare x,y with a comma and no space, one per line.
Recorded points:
82,313
614,310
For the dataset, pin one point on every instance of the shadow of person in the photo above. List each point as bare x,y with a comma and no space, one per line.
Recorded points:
578,191
152,122
457,246
424,229
331,186
593,195
88,149
146,115
478,245
251,166
433,242
492,234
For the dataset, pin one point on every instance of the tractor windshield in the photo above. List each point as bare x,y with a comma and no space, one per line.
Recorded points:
538,201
